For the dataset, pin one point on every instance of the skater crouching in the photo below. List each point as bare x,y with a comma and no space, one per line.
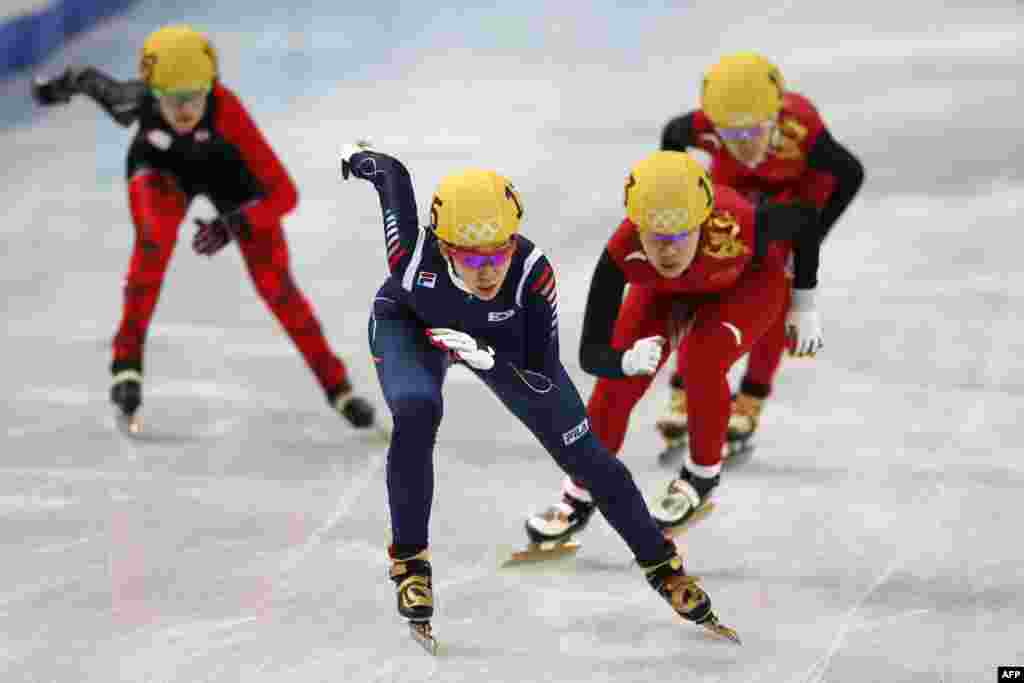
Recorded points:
194,137
470,289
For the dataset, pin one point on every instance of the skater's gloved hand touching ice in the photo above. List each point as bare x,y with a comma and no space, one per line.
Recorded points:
803,324
213,235
643,357
465,347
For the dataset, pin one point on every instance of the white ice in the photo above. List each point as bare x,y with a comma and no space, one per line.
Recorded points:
874,536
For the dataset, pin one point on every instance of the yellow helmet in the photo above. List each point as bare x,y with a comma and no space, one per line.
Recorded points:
475,208
742,89
178,58
668,193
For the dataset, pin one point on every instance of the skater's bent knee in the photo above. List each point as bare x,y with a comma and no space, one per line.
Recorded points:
416,408
714,349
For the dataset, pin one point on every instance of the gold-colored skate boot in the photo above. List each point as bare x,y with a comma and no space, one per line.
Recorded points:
743,422
673,424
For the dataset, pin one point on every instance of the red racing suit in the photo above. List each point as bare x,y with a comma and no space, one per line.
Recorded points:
803,163
720,305
226,158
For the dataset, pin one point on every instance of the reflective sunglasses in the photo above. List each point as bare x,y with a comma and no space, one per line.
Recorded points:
181,98
745,133
471,258
677,237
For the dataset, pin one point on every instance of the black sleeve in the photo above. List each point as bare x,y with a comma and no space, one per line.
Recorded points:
678,134
120,99
780,221
828,156
597,357
831,157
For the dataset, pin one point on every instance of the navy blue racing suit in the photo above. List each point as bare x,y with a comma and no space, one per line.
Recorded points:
521,325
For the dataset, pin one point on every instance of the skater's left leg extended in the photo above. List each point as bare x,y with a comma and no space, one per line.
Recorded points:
557,418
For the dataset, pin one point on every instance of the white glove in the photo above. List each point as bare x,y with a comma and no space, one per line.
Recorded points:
643,357
347,150
803,324
463,346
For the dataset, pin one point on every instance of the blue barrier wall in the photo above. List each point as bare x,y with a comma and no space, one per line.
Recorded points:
28,39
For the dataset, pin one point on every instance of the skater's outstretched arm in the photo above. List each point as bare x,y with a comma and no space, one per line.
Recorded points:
833,159
397,200
122,100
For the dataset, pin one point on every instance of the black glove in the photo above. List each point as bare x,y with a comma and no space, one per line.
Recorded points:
354,162
57,90
213,235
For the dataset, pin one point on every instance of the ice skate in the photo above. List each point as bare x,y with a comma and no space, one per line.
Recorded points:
686,501
126,395
358,412
673,426
552,532
685,595
743,422
414,587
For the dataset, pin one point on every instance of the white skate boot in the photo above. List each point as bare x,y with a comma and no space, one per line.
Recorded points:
552,532
686,501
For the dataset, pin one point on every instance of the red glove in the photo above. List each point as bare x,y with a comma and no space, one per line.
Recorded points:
212,236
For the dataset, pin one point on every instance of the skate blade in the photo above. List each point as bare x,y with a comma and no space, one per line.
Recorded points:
542,552
376,434
698,514
723,631
382,433
736,453
674,452
423,634
130,425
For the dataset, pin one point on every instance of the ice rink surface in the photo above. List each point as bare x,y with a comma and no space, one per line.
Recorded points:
874,536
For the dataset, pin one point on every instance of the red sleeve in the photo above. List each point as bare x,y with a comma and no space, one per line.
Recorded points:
623,242
235,125
798,107
704,133
814,186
